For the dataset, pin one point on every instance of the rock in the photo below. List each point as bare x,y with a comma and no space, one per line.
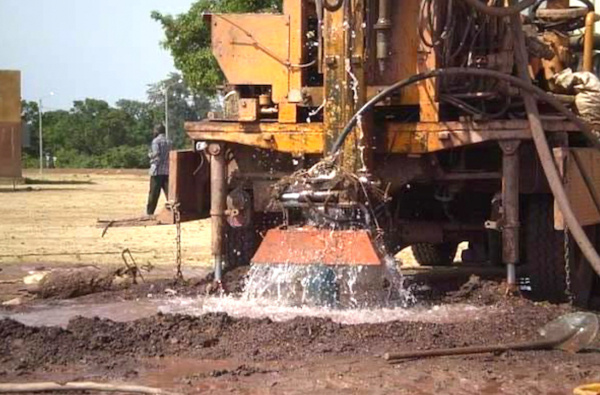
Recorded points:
13,302
35,277
74,282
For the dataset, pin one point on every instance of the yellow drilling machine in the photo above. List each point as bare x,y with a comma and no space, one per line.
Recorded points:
351,129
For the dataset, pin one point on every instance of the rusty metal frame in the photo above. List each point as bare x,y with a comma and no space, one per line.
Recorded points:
580,170
312,246
399,138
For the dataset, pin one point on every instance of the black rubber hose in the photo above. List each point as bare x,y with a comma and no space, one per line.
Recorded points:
545,154
500,11
459,71
333,6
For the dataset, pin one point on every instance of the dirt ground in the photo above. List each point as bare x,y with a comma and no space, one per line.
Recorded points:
217,353
53,225
53,220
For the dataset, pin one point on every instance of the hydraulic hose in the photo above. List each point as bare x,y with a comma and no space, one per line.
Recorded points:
500,11
544,153
530,93
459,71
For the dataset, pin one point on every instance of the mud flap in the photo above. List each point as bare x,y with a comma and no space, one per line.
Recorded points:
312,246
189,185
580,169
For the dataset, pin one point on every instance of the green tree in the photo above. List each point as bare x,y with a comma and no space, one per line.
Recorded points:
94,134
144,116
187,37
184,105
30,118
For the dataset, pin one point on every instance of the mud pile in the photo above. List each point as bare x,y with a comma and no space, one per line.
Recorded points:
216,336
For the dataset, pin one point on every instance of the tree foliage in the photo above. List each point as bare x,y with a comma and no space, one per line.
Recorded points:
184,105
94,134
187,37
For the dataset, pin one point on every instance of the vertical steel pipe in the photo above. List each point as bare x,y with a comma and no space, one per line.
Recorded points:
510,208
383,25
218,202
588,42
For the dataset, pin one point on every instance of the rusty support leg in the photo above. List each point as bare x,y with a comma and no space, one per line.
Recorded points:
510,209
218,185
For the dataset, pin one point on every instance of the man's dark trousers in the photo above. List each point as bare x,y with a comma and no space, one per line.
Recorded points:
156,184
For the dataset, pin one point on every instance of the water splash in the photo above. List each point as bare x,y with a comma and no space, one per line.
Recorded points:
345,294
361,295
265,308
331,286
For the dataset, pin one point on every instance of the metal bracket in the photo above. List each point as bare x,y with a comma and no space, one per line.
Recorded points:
215,149
509,147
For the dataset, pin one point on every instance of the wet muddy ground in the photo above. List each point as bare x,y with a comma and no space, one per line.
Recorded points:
202,350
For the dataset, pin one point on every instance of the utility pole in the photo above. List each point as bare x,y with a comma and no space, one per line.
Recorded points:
167,111
41,130
41,134
166,93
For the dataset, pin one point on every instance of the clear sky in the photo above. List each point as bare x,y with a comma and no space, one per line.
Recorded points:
107,49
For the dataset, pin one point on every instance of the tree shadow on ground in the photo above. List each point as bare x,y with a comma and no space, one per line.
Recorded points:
34,181
31,189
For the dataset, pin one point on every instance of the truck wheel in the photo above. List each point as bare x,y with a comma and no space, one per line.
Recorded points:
544,250
545,256
428,254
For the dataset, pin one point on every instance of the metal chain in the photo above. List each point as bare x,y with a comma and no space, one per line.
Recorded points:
177,215
567,249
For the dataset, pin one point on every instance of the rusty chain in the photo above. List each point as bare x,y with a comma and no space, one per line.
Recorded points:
567,257
177,215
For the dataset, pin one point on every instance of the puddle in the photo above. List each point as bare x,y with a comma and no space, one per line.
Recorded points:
61,313
279,293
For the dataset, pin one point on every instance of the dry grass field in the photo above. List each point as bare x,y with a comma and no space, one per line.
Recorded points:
52,219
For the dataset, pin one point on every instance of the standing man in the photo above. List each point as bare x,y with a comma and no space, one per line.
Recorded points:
159,168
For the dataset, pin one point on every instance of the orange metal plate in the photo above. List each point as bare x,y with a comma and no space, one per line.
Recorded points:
310,246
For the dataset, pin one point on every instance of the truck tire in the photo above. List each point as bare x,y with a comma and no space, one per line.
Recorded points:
544,250
428,254
545,256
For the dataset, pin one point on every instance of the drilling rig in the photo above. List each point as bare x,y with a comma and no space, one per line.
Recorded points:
351,129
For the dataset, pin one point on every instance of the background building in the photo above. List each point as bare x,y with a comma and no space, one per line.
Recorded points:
10,125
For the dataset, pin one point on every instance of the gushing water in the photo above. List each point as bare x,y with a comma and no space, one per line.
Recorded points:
329,286
347,295
265,308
